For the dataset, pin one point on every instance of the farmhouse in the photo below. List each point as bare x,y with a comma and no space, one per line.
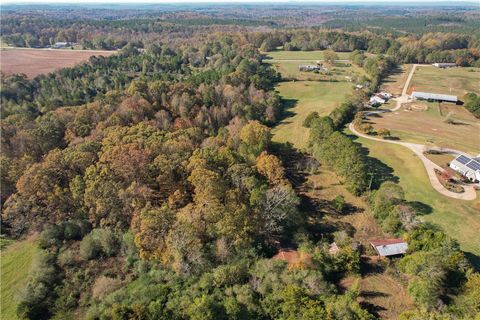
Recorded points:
59,45
379,98
389,247
468,167
434,97
310,67
444,65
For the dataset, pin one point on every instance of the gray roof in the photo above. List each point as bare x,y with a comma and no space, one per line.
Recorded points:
465,161
434,96
390,247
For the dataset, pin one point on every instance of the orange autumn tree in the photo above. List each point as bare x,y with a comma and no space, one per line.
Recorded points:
271,167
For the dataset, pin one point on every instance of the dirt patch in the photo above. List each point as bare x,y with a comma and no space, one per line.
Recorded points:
33,62
416,107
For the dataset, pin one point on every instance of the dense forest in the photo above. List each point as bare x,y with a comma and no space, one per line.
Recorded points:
156,191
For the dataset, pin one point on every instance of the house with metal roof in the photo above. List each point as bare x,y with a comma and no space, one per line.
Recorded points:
444,65
434,96
389,247
467,167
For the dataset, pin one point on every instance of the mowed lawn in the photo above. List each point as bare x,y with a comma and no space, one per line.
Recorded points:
16,260
306,97
459,219
303,55
456,81
429,127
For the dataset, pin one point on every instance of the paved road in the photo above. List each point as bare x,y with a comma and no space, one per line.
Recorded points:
419,149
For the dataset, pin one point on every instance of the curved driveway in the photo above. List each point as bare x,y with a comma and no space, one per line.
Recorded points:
418,149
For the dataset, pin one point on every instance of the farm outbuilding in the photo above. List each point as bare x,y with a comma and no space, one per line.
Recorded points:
444,65
467,167
434,96
389,247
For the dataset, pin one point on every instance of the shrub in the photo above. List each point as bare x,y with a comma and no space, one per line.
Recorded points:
99,242
339,203
104,285
90,247
66,258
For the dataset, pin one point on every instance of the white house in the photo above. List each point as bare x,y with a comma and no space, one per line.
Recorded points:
309,67
58,45
467,167
444,65
377,100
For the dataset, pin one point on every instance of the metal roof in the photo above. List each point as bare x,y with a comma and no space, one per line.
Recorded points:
434,96
390,247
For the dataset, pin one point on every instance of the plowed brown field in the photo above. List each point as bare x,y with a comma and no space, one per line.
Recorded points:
33,62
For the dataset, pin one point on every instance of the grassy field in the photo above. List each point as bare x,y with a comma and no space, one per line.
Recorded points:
455,81
459,219
15,263
302,98
440,159
394,82
339,72
303,55
429,127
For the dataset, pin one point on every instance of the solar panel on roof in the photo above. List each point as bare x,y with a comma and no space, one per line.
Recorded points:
463,160
473,165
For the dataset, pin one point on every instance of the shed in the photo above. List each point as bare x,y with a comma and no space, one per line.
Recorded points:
389,247
434,96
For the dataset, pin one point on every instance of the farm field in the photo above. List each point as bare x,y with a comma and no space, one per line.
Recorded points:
460,219
302,98
33,62
302,55
425,123
16,260
456,81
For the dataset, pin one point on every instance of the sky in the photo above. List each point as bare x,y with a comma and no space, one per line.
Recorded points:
221,1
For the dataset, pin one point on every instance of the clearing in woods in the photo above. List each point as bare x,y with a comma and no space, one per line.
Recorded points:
33,62
15,263
302,55
300,99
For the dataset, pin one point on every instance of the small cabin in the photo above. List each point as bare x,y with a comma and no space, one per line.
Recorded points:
389,247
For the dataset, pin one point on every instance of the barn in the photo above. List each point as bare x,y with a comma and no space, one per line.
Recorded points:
434,97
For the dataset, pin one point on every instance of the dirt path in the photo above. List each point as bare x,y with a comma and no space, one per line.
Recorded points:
404,98
418,149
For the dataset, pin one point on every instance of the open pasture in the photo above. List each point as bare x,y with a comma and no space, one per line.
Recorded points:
303,55
394,82
412,123
455,81
33,62
300,99
16,260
